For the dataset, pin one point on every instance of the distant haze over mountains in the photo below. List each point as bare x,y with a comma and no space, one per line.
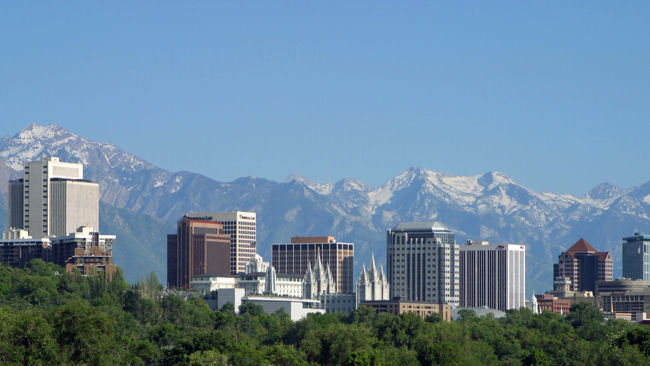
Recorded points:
141,202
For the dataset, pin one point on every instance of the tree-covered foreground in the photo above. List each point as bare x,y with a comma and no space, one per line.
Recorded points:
50,317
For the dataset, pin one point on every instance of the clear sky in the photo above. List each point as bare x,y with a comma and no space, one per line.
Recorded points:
554,94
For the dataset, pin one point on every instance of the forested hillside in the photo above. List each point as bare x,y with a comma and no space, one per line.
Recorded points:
50,317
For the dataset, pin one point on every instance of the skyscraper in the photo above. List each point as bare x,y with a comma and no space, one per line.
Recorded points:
242,228
198,247
492,275
636,257
53,199
583,266
423,262
294,257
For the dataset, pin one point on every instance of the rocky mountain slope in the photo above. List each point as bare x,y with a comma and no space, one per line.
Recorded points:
489,206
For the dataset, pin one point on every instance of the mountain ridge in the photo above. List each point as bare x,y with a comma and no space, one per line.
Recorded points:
490,206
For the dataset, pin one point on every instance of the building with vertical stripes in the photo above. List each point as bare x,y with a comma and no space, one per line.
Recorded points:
422,262
295,258
52,199
492,275
198,247
242,228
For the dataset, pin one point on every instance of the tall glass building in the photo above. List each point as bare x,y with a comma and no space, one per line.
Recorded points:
636,257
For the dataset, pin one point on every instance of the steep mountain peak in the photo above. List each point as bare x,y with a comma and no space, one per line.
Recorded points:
35,131
320,188
351,184
605,191
407,177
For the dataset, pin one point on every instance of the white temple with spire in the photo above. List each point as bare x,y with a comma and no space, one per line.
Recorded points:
372,284
318,281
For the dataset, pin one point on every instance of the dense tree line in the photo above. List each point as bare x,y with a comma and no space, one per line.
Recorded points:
50,317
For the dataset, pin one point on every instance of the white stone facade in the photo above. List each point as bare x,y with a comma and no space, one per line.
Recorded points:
318,281
372,284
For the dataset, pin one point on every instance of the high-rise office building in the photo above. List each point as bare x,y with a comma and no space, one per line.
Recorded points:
423,262
198,247
492,275
583,266
295,257
636,257
242,228
53,199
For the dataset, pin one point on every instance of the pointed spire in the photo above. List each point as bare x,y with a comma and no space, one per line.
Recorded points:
318,267
363,275
308,273
372,263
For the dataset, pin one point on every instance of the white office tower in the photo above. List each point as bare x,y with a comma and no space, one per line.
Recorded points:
53,199
493,275
372,284
242,228
422,261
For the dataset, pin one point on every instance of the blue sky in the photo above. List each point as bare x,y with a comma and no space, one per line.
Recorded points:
553,94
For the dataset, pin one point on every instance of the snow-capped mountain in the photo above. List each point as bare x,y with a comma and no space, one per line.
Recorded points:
489,206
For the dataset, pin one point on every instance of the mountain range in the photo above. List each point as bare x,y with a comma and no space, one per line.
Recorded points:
141,203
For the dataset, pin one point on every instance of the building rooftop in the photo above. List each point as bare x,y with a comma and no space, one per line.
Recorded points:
420,226
581,246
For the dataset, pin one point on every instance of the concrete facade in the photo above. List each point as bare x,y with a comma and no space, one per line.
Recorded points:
492,275
422,260
56,200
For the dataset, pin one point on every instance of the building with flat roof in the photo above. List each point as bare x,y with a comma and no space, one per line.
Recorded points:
242,228
52,199
209,282
583,266
548,302
398,306
302,252
422,260
636,257
621,285
85,250
198,247
492,275
17,248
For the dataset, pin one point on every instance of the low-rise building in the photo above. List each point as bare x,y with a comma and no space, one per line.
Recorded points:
85,250
296,308
17,248
339,303
548,302
209,282
421,308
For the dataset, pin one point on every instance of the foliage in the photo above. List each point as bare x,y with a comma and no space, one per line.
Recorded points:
49,317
